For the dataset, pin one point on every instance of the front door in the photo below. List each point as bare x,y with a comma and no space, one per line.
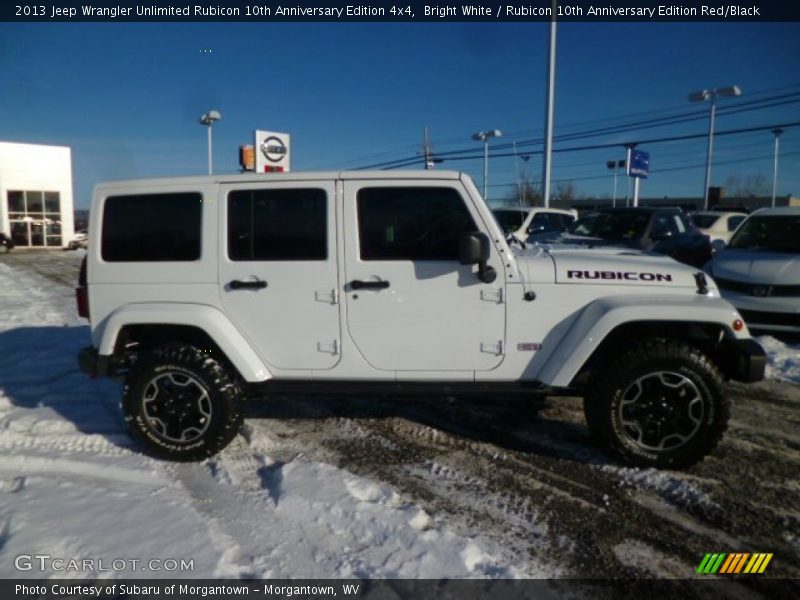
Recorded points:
278,274
410,305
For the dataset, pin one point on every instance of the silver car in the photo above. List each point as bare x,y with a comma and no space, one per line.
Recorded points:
759,271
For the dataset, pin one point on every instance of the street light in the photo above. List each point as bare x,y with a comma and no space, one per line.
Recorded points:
711,96
484,136
208,119
777,133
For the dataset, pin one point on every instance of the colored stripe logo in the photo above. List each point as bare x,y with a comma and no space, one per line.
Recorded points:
734,563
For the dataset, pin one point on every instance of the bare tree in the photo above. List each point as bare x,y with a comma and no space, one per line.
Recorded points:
565,193
747,186
525,193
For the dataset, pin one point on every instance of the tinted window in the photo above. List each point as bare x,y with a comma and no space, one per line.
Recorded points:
775,233
16,202
666,224
510,219
415,223
622,225
705,221
277,225
152,227
734,222
549,222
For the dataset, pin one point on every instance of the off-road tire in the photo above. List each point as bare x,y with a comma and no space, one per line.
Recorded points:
176,379
646,383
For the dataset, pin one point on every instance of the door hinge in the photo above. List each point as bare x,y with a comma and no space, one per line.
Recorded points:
495,348
492,295
327,296
328,347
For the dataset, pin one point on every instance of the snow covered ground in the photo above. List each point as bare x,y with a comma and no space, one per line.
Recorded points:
274,505
72,487
783,360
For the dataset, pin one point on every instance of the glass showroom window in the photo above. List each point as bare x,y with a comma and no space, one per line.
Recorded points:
35,217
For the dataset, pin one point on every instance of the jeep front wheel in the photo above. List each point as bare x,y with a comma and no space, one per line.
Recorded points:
181,403
660,404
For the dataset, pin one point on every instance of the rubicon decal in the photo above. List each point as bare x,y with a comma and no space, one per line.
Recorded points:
734,563
619,275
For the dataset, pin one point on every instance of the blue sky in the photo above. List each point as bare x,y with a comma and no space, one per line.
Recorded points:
126,97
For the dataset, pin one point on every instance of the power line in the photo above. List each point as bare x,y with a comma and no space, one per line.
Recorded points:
661,170
684,117
408,162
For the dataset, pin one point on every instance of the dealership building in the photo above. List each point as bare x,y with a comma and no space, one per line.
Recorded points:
36,206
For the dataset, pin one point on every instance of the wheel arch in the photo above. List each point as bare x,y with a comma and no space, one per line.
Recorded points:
148,325
708,337
604,327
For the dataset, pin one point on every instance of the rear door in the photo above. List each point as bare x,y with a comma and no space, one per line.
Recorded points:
278,273
410,305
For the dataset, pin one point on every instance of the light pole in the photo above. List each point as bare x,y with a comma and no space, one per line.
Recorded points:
484,136
711,96
550,99
777,133
614,166
208,119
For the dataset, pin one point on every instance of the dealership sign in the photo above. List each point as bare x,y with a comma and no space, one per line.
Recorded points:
639,164
272,150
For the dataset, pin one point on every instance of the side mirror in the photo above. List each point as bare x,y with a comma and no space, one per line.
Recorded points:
473,248
661,236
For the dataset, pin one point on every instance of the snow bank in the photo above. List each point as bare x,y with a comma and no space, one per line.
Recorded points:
783,360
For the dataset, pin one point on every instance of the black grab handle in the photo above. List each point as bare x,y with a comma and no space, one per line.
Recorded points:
357,284
247,285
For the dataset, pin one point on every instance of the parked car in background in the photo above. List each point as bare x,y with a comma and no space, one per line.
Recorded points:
81,240
759,271
534,223
667,231
717,225
6,243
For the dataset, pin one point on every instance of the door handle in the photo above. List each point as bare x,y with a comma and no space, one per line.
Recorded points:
357,284
247,285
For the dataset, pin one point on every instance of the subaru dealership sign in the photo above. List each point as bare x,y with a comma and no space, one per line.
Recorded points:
639,164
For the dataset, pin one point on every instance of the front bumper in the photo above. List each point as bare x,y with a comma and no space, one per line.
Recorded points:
745,361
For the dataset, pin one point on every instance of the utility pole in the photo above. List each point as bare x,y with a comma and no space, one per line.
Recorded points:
777,133
549,109
426,150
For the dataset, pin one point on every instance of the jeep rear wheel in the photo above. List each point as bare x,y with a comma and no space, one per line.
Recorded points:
660,404
181,403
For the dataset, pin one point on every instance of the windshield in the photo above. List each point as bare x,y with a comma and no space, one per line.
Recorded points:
705,221
510,219
615,226
772,233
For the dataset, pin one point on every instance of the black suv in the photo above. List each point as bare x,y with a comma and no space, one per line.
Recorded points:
5,243
667,231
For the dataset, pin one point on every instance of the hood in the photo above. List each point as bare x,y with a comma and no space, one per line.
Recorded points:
585,241
618,266
754,266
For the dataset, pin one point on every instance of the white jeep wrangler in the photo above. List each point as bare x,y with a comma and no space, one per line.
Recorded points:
205,290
